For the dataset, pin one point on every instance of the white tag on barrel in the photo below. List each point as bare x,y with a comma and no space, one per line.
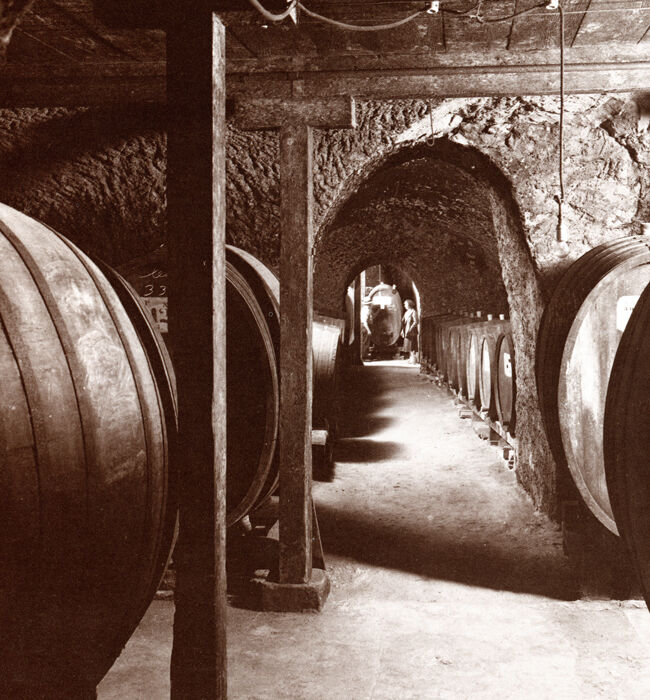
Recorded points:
624,308
507,364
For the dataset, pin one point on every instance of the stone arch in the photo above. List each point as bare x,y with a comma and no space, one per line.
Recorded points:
448,215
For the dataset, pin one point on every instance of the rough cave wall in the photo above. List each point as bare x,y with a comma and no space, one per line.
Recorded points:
98,177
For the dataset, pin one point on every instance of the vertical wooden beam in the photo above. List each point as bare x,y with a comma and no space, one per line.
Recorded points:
197,301
298,587
296,302
356,348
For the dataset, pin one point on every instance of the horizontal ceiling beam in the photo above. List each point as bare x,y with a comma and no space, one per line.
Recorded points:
88,84
82,84
459,81
269,113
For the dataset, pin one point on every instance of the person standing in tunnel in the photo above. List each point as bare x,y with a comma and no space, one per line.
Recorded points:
410,330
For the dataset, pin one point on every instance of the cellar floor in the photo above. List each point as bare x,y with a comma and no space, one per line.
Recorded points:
445,581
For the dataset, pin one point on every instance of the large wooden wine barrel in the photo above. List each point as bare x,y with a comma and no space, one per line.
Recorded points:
505,384
385,317
326,348
428,337
87,510
458,355
473,368
327,335
452,350
490,331
252,350
627,436
441,336
349,316
426,342
578,339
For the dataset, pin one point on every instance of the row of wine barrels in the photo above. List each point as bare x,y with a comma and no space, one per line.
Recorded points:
578,339
475,356
626,437
86,488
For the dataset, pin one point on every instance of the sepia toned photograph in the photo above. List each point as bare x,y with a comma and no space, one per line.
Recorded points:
324,350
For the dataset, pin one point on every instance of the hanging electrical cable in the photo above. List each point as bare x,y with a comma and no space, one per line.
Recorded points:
360,27
272,16
561,236
431,8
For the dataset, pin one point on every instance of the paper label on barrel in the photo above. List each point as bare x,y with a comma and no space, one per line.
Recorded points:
507,364
158,308
624,308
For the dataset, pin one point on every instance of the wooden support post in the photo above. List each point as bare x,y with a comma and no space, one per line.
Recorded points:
298,587
357,346
197,319
296,304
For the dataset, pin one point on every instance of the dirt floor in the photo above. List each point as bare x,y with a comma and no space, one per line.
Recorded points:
445,581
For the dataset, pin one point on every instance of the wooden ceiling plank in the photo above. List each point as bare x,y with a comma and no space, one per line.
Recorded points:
236,48
467,30
275,39
73,27
541,29
601,24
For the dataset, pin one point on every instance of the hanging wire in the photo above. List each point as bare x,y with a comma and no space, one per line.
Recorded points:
560,229
272,16
473,12
360,27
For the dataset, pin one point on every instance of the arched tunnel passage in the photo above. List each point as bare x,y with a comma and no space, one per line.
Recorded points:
445,214
430,215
